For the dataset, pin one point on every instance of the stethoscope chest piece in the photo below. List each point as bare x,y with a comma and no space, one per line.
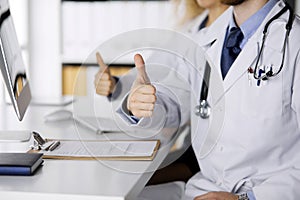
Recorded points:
203,110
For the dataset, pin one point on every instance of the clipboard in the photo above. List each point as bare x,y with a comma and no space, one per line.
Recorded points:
120,150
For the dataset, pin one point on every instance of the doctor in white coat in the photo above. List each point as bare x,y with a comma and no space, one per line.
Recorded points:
252,153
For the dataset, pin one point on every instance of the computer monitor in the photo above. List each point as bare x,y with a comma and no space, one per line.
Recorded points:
12,65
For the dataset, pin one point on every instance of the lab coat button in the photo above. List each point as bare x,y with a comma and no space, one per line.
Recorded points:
219,109
219,182
221,148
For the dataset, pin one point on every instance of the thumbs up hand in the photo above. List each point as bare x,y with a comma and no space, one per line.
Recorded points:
104,82
142,98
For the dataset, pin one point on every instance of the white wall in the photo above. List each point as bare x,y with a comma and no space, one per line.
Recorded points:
45,47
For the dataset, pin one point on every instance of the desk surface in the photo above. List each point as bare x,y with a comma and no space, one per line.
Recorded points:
69,179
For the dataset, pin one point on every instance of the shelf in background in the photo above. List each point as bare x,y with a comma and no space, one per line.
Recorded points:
88,24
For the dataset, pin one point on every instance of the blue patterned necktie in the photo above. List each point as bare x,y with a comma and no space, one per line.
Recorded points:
231,49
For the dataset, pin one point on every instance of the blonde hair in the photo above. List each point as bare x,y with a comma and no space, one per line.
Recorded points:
191,10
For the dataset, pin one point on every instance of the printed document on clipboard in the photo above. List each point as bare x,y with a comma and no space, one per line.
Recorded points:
104,150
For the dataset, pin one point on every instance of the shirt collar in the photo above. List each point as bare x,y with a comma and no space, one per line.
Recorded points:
251,25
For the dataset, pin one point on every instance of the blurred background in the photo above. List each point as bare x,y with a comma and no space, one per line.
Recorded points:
56,37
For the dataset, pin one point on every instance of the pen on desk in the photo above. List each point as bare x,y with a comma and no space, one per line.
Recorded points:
48,147
54,145
87,125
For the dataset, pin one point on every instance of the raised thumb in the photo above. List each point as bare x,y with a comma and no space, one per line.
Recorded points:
142,76
102,65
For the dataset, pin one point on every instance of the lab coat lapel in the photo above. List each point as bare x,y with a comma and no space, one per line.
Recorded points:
214,53
212,40
245,60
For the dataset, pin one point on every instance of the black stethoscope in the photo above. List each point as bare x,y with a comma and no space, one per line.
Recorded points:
203,109
288,28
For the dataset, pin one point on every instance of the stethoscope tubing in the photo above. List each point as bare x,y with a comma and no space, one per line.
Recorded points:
288,28
203,109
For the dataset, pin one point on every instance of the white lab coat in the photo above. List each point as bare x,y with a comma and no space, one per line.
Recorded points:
252,139
258,139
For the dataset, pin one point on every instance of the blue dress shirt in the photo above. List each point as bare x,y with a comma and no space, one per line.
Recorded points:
250,26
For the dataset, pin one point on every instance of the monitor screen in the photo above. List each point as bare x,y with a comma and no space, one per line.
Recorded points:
12,64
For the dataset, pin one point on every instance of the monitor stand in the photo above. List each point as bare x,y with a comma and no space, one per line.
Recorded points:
15,136
52,101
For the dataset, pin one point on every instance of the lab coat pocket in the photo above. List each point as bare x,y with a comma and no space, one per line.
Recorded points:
263,100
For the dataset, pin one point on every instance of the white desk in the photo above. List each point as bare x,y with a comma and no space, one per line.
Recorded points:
66,179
